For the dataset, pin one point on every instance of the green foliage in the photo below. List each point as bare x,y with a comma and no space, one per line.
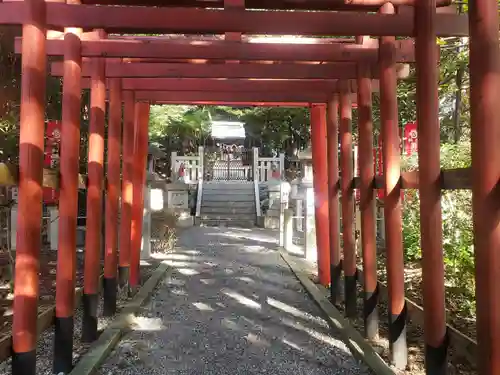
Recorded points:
458,247
272,129
184,128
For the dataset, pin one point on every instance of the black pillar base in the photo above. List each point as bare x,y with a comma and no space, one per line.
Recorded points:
370,313
89,320
63,345
24,363
335,280
436,358
109,296
397,339
350,296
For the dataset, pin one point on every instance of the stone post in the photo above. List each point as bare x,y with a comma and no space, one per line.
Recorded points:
255,160
13,227
310,230
178,202
53,227
201,161
173,169
288,229
146,224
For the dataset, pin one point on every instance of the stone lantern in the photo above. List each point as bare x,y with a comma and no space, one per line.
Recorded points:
306,170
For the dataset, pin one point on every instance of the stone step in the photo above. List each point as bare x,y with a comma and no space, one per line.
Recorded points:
229,198
224,216
228,209
240,204
227,223
228,186
229,191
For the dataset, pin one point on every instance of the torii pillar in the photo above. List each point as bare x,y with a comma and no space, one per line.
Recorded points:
320,184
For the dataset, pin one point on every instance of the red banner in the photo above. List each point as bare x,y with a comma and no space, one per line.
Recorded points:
411,138
380,165
51,160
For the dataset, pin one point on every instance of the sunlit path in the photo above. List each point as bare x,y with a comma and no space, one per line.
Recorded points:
231,306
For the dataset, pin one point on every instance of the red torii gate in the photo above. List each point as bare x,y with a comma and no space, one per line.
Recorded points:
424,24
324,50
364,5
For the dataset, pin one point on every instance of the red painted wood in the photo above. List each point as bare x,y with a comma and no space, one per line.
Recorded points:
233,36
347,192
205,84
127,194
218,96
392,198
333,190
241,103
113,175
138,181
429,176
485,133
226,85
175,70
32,127
68,192
366,5
367,203
211,21
12,13
185,20
320,183
93,233
222,50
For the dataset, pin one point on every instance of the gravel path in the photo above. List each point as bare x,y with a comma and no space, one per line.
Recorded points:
231,306
45,344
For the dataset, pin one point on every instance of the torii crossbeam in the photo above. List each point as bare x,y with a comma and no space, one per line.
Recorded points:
133,19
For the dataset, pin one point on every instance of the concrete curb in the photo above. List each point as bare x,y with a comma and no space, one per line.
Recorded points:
462,344
91,361
360,349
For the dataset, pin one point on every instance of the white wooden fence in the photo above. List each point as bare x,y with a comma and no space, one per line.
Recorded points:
264,166
193,166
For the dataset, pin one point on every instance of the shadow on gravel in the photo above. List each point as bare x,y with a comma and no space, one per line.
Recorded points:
230,306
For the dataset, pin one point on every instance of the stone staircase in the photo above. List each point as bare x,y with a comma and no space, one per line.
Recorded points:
228,203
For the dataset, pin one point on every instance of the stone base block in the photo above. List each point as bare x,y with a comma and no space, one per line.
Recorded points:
185,220
271,222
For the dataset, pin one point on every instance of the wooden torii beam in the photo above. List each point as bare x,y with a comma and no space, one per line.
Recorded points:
184,70
195,84
225,85
188,97
365,5
94,35
227,50
134,19
236,103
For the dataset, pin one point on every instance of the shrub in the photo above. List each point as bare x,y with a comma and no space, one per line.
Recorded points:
163,230
456,209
